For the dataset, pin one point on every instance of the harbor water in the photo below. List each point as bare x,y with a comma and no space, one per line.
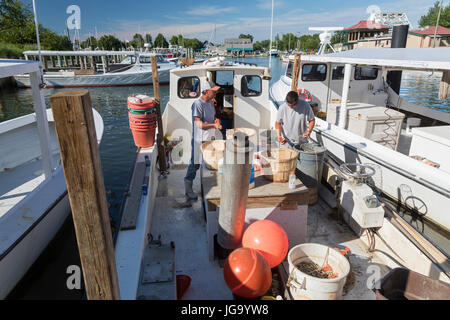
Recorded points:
47,279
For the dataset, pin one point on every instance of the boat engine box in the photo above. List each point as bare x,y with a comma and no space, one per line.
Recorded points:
379,124
361,205
432,143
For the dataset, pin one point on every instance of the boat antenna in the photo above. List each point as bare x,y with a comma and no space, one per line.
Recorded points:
38,43
271,36
437,24
325,37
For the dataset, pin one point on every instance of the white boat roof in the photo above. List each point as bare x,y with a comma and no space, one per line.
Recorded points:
91,53
225,66
9,67
406,58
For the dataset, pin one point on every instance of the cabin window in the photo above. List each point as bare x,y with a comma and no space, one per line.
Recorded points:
224,78
366,73
290,69
314,72
189,88
251,86
338,72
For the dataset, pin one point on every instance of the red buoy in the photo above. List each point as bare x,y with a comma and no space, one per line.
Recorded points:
269,238
247,273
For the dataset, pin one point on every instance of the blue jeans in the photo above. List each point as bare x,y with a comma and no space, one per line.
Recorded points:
193,167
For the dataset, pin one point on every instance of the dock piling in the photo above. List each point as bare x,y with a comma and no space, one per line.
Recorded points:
296,72
75,129
160,137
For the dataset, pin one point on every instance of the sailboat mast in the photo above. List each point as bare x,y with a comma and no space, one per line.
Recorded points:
271,36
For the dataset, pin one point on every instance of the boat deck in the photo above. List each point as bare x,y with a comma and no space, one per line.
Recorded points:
17,183
178,221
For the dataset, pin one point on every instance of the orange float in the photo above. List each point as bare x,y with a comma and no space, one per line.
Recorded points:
247,273
269,238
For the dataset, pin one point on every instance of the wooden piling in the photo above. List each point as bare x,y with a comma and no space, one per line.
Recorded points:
444,90
296,72
160,137
75,129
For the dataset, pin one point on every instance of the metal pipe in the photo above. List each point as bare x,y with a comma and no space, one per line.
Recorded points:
234,190
345,91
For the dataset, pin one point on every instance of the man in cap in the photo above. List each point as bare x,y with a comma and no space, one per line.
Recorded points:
295,120
204,126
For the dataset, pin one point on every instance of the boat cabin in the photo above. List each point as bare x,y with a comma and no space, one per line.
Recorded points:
242,102
325,83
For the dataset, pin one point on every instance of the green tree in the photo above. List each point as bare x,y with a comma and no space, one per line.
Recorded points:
15,21
160,41
90,42
246,36
430,19
138,41
148,39
338,37
109,43
174,41
192,43
180,40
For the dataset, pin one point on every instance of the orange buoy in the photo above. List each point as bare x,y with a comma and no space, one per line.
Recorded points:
269,238
247,273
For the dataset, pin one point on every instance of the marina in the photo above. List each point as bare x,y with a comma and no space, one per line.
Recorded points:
169,174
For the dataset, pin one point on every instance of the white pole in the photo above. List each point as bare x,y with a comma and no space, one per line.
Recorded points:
345,90
271,35
38,40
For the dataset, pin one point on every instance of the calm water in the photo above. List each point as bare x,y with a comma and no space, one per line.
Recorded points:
47,279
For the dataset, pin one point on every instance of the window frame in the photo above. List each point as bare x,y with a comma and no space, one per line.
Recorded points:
261,85
371,79
315,64
198,89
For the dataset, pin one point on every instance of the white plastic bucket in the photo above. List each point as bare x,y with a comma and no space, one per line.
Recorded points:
306,287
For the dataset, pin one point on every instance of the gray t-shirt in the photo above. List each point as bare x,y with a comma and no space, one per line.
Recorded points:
206,112
295,120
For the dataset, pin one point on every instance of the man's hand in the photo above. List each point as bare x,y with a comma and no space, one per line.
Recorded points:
217,125
307,134
282,140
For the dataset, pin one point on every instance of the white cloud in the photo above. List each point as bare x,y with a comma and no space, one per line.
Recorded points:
267,4
209,10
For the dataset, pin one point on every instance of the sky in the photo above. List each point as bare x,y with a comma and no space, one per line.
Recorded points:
229,18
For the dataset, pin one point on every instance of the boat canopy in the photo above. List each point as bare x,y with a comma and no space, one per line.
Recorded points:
9,68
95,53
437,59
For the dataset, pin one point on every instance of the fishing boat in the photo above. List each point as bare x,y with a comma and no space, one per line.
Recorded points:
77,69
33,193
388,142
274,52
166,239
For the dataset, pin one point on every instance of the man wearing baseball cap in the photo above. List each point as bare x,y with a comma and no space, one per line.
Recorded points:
204,124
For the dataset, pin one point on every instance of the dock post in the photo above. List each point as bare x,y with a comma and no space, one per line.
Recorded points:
160,137
75,129
296,72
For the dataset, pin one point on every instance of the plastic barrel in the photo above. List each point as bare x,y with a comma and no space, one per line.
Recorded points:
310,163
142,120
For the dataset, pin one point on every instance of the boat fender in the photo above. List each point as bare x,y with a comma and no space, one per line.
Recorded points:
305,94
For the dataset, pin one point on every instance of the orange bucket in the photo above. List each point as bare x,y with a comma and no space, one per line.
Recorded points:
144,138
141,102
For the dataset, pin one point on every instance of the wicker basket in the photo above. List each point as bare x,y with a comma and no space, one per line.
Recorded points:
212,152
278,164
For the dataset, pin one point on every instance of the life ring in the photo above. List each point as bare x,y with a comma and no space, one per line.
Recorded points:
213,62
305,94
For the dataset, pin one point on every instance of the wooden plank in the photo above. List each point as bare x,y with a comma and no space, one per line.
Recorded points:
75,129
160,137
131,211
266,194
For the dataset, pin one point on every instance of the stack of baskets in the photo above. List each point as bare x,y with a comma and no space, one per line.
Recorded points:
278,164
143,120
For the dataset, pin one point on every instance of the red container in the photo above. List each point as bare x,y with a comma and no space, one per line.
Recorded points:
141,102
144,138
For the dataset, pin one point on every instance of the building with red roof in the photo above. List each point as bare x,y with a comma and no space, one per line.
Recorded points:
424,38
364,31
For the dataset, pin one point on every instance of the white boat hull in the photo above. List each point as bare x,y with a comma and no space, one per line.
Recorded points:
27,228
98,80
398,175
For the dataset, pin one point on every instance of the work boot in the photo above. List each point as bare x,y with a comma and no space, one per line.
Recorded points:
189,192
